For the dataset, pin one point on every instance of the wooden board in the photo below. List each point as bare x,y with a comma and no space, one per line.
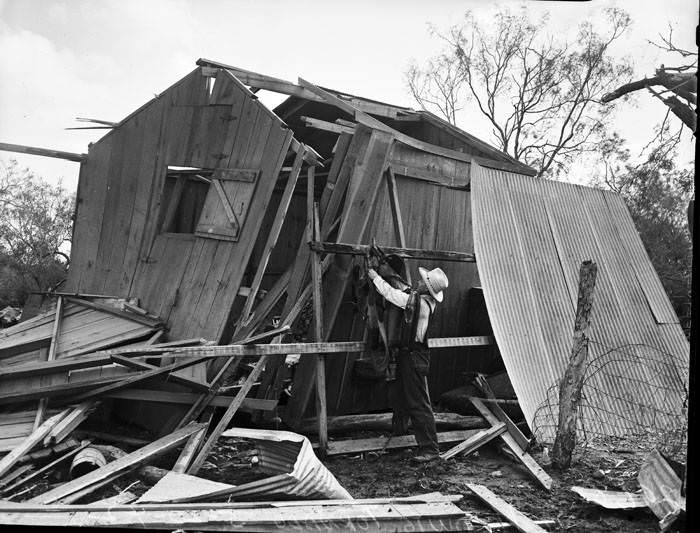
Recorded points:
515,517
66,492
475,442
388,443
536,471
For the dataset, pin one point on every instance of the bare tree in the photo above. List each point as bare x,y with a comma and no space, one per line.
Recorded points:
676,87
539,93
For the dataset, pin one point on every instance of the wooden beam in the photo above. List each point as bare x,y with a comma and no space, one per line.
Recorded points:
269,83
72,490
515,517
188,398
273,235
572,382
396,217
475,442
323,125
33,150
316,283
407,253
198,461
51,391
189,450
138,378
180,380
338,447
50,357
326,348
382,422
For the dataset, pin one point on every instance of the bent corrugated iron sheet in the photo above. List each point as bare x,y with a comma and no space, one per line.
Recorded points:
298,471
661,488
611,499
530,237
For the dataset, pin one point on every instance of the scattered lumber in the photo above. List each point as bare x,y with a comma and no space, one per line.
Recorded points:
7,462
515,517
535,470
79,487
477,441
46,468
71,421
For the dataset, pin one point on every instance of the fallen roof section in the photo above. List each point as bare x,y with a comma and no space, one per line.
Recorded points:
531,236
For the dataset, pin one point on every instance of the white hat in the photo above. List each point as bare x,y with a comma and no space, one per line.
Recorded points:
435,280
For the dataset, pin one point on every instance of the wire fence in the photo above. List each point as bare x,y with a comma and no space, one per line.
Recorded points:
635,393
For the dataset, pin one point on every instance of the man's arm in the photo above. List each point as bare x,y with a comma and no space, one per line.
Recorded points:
395,296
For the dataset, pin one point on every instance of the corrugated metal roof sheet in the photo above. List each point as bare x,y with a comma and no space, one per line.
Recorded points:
530,237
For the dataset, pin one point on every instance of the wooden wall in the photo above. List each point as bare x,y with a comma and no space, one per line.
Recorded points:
189,281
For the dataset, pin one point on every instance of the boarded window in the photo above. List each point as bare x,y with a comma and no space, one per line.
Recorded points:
227,203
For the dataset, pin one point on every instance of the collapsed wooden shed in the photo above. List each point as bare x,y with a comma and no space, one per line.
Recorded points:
201,205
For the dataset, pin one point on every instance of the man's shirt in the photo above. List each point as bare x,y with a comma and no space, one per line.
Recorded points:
400,299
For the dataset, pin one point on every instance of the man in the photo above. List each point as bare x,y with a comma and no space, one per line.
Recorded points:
414,357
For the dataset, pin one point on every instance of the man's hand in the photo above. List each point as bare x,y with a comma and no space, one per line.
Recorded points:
371,273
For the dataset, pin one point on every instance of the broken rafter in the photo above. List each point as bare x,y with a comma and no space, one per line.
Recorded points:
46,152
270,83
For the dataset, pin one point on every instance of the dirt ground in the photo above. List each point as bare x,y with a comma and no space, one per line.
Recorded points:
392,474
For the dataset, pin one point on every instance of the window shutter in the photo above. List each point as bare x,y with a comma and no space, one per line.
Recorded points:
227,203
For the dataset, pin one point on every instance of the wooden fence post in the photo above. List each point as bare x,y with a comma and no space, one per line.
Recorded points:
572,382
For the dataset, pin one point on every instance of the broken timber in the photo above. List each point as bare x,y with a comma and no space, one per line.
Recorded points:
536,471
406,253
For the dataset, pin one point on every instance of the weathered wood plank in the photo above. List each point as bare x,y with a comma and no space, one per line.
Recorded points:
475,442
66,492
46,152
387,443
515,517
7,462
187,398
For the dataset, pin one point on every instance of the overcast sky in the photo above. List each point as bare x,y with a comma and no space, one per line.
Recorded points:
61,59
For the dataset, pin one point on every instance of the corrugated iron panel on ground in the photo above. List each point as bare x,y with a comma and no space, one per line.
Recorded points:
289,455
530,237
